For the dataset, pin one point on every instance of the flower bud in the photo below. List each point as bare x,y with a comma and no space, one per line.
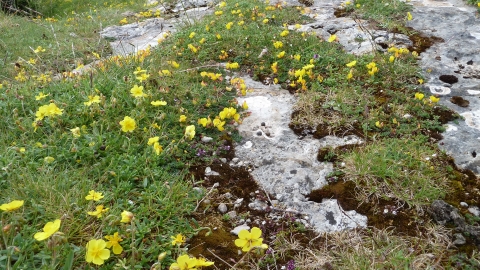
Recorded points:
162,256
126,217
7,228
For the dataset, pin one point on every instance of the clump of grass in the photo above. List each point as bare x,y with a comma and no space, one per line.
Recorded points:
378,249
402,169
389,14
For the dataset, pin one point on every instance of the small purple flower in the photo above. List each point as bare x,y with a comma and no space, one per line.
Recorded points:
200,152
291,265
226,147
315,56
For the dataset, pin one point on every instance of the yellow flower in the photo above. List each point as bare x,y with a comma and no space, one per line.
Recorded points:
139,70
222,4
245,105
192,34
371,65
281,54
350,75
182,119
157,148
142,77
91,100
378,124
126,216
297,57
275,67
204,121
248,240
39,49
99,210
41,96
178,240
128,124
75,132
190,132
332,38
49,110
409,16
229,25
265,21
284,33
352,64
192,48
278,44
218,124
233,65
184,262
173,64
114,241
420,81
158,103
153,140
218,13
165,72
419,96
49,229
391,59
202,262
49,159
434,99
93,195
218,36
13,205
96,252
137,91
123,21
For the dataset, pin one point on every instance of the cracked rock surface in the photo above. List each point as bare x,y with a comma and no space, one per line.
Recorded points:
452,70
285,166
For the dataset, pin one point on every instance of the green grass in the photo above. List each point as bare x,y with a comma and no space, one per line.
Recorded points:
69,36
52,162
404,169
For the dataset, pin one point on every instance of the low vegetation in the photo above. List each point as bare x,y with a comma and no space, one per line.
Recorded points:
95,166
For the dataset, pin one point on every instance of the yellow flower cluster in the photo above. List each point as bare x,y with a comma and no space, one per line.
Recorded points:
233,65
211,75
300,74
431,99
185,262
240,85
50,110
372,68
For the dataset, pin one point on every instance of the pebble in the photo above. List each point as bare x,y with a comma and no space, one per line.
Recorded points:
235,160
198,190
237,229
224,160
206,139
259,133
222,208
459,239
464,204
474,210
227,195
248,144
238,203
232,214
